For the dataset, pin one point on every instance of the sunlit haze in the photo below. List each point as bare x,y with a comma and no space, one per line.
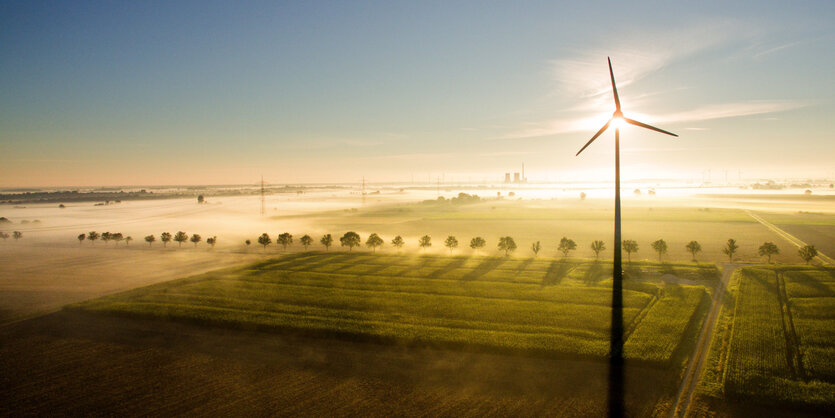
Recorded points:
304,92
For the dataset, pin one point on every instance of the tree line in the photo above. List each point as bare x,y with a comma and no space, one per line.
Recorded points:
180,237
508,245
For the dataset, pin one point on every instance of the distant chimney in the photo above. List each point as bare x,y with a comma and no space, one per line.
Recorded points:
517,178
507,177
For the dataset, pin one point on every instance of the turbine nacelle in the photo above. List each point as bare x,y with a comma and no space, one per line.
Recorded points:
617,116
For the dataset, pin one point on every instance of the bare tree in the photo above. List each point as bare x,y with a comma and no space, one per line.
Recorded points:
536,247
597,247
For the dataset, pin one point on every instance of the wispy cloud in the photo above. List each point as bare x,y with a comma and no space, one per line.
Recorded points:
635,56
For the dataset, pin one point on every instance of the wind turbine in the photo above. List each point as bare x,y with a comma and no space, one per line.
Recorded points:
616,338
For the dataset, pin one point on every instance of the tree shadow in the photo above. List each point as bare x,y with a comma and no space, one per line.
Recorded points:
597,272
524,265
452,265
484,267
336,258
557,271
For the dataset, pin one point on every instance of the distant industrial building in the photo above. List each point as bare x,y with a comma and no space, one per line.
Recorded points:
517,176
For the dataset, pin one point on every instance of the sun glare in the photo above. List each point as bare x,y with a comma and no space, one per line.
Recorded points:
618,123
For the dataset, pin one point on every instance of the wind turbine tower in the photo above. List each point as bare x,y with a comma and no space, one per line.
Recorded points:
616,402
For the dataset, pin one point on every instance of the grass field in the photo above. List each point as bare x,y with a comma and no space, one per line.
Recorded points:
532,305
775,341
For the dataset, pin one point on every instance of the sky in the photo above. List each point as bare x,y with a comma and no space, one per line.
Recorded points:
160,93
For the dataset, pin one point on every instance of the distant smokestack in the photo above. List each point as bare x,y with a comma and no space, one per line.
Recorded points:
516,178
507,177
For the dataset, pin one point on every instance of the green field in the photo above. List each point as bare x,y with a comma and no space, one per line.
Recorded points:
774,344
530,305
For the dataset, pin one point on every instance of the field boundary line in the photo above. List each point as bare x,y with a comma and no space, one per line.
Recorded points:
788,237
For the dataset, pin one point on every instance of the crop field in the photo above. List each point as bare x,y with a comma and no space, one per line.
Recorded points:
528,221
815,228
776,348
530,305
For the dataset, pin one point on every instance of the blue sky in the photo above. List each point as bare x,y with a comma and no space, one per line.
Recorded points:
103,93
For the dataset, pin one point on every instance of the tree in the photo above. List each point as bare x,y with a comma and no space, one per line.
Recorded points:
195,239
566,245
397,242
630,246
106,236
165,237
180,237
730,249
477,243
211,241
597,247
507,244
808,253
451,242
200,199
17,235
693,247
373,242
81,238
306,241
582,195
285,239
425,241
117,237
4,235
327,241
150,239
248,243
264,240
768,249
660,246
128,239
535,247
351,239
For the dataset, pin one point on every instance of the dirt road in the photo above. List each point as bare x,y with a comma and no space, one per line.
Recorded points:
694,367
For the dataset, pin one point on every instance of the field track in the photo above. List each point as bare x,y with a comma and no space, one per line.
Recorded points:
789,237
696,363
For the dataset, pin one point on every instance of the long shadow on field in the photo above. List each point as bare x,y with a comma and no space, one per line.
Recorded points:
483,268
524,265
557,271
597,272
452,265
806,279
271,263
324,259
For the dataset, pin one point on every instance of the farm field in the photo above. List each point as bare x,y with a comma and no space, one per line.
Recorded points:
645,220
814,228
775,345
551,306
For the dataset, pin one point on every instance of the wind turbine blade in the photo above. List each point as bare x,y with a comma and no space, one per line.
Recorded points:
644,125
594,137
614,86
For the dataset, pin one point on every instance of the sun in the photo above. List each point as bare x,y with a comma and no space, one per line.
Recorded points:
618,122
